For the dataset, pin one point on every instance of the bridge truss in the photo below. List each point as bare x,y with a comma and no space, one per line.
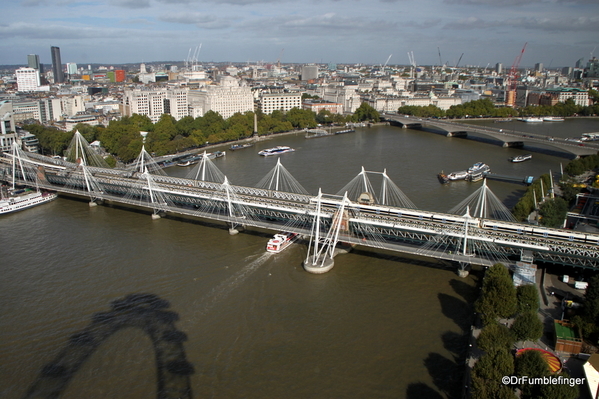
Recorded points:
327,219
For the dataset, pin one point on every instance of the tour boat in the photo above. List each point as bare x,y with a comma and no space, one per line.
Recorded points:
521,158
532,119
23,199
280,242
553,119
240,146
461,175
479,167
281,149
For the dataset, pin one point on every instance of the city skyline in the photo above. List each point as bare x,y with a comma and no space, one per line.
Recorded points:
558,32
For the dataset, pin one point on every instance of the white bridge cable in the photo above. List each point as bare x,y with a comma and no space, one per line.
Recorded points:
205,170
79,148
81,180
279,179
146,192
390,193
143,162
484,204
226,205
22,168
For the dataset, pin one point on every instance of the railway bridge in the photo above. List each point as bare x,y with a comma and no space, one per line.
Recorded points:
478,231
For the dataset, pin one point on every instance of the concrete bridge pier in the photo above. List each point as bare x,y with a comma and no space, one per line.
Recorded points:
463,269
235,228
318,264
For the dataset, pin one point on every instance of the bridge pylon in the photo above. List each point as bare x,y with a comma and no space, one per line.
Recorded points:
322,248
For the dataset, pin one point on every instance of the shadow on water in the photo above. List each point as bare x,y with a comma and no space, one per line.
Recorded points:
421,391
447,373
146,312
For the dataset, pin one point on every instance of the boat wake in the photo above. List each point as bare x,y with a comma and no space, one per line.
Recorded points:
223,290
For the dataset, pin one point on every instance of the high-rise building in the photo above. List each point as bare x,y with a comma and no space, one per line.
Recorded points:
539,67
71,68
33,61
227,98
499,68
57,65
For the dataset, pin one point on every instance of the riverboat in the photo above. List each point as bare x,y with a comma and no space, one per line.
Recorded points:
281,149
235,147
532,120
443,178
521,158
345,131
553,119
590,137
219,154
17,200
280,242
461,175
479,167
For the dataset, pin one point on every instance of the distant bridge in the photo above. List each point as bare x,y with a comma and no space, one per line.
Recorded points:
358,216
508,138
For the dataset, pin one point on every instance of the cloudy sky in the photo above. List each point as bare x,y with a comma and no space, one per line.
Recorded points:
558,32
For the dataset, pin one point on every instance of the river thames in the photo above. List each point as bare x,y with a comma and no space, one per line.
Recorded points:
378,325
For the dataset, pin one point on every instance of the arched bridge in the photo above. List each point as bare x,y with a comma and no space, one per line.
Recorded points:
508,138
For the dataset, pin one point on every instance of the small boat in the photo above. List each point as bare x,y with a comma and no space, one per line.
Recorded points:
521,158
23,199
461,175
235,147
532,119
443,178
280,242
281,149
553,119
479,167
474,177
590,137
219,154
345,131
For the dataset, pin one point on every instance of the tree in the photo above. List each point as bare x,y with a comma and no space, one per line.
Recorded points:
365,112
559,391
528,298
553,212
531,364
527,326
495,337
498,296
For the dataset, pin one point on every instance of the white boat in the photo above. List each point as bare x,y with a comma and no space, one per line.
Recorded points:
479,167
532,119
281,149
553,119
461,175
590,137
521,158
280,242
23,199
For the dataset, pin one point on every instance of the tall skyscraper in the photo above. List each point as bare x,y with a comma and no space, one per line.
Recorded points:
57,65
33,61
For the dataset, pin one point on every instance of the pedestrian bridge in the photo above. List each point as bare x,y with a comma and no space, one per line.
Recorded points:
478,231
507,138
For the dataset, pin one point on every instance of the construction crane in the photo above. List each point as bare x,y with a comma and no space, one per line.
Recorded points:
412,62
512,80
460,59
386,62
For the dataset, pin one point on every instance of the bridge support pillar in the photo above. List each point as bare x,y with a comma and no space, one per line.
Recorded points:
155,216
92,204
318,264
235,229
463,269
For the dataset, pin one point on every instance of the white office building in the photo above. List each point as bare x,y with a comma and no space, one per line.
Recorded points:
270,102
155,102
28,79
227,98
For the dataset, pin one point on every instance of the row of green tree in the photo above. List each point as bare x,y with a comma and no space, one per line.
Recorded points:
486,108
552,211
501,300
122,138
